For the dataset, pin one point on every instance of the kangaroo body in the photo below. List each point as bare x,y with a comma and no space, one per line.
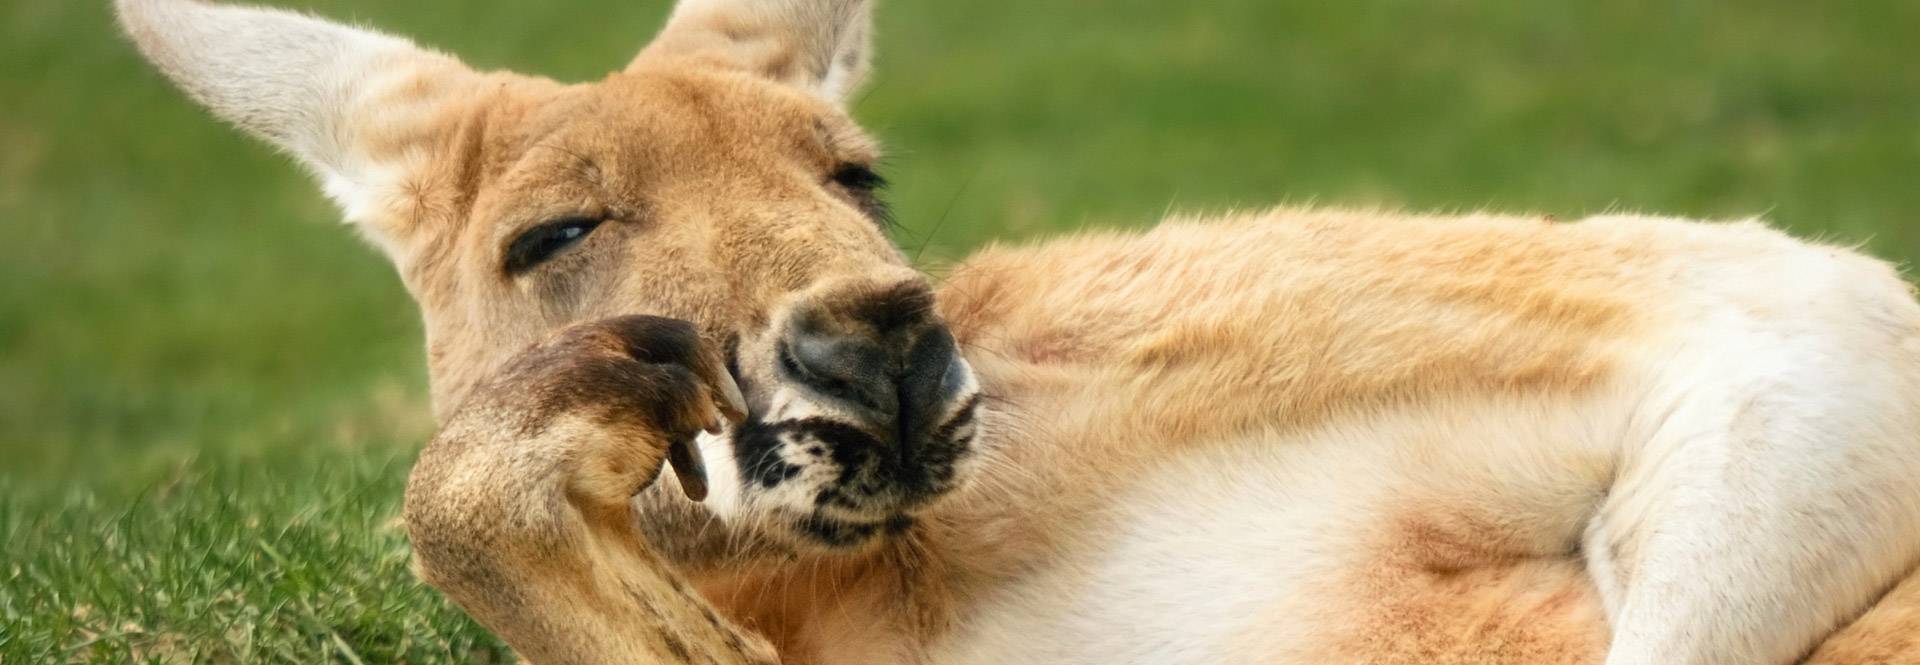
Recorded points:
1324,436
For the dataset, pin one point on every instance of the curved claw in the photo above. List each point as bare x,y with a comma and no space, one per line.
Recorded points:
732,403
689,468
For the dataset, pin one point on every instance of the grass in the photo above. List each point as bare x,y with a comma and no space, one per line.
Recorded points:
210,393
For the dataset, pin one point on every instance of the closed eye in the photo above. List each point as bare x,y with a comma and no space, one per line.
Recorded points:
863,185
859,177
538,244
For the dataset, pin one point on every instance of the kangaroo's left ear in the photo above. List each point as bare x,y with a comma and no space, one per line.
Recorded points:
821,46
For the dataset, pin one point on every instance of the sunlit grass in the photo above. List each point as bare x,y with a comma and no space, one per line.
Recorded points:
210,392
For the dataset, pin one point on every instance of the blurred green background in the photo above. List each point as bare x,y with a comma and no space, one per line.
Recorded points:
210,391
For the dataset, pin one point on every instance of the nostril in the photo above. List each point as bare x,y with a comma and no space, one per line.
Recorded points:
929,364
927,383
825,357
844,368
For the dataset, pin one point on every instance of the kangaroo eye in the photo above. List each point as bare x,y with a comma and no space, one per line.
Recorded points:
863,185
545,241
859,177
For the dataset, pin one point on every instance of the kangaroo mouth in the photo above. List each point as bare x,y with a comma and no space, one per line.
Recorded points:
839,482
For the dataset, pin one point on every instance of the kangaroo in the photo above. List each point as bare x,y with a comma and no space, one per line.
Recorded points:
1292,436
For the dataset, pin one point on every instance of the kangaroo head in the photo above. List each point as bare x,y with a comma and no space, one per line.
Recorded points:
716,179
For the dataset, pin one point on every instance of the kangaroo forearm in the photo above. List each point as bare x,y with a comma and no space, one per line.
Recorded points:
561,580
608,599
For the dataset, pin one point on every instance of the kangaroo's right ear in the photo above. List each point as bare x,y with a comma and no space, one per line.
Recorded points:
819,46
355,106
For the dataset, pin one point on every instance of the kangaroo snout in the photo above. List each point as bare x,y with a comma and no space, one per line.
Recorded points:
878,349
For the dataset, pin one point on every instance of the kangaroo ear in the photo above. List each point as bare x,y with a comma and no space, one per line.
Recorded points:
821,46
355,106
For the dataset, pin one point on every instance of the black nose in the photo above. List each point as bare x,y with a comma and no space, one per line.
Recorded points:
889,356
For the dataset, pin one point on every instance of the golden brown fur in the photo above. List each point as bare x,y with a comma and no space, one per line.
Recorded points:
1104,360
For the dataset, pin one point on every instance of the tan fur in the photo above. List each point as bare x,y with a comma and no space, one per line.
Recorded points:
1108,347
1106,360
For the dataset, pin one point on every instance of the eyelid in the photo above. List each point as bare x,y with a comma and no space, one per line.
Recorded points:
864,188
857,175
533,246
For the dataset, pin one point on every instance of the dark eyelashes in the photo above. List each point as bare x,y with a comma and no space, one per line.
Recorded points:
864,185
858,177
541,243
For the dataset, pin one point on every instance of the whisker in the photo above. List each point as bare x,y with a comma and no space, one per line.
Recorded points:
951,203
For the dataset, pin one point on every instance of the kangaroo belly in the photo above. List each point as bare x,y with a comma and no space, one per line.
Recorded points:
1446,535
1443,535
